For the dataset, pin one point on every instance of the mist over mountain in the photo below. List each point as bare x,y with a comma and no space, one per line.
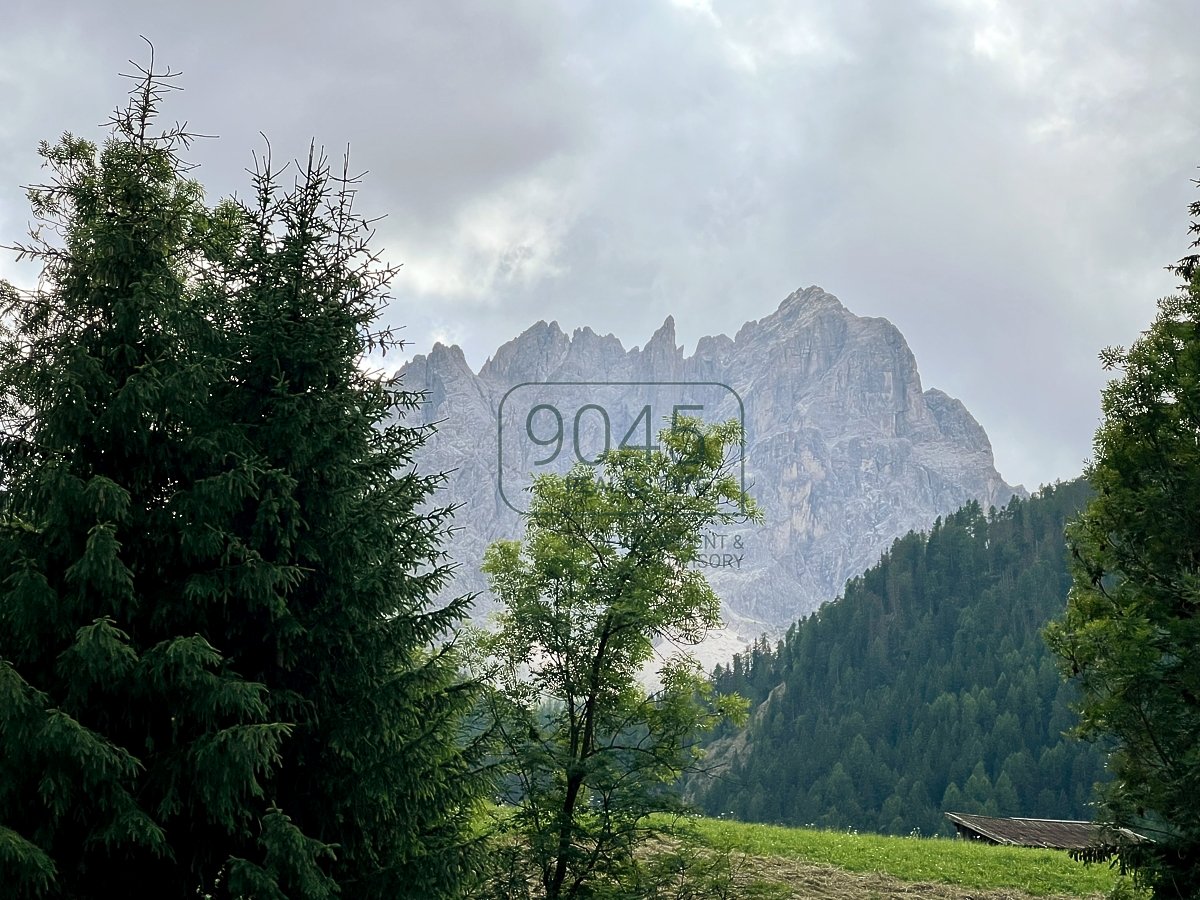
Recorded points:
845,449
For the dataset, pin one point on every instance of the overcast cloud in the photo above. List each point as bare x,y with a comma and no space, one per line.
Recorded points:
1002,180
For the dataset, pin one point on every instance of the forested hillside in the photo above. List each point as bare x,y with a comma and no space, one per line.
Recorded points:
927,687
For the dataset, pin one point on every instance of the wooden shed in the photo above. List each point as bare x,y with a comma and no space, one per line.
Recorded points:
1055,834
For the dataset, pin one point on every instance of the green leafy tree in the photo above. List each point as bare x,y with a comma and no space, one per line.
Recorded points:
219,661
603,573
1130,635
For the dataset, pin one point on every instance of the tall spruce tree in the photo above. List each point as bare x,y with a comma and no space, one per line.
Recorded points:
350,546
220,669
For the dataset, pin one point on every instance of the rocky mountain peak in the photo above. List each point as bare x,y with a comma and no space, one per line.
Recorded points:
537,351
956,423
845,448
808,299
590,353
660,359
811,310
664,337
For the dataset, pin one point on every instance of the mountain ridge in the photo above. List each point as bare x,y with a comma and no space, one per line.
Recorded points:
845,448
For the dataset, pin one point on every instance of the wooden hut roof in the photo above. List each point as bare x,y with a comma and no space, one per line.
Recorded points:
1056,834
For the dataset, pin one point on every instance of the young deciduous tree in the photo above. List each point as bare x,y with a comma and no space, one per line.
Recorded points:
220,670
1131,631
603,573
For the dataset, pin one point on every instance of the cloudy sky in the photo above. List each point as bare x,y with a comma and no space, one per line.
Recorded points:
1002,179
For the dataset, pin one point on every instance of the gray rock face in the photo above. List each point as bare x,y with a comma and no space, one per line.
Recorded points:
845,450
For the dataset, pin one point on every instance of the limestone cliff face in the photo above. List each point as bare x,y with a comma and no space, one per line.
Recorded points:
845,449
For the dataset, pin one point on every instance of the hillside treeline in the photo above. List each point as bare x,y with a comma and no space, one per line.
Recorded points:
927,687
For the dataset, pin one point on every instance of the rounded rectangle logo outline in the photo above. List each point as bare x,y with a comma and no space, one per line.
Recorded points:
524,384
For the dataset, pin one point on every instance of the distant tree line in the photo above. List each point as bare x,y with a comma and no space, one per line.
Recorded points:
927,687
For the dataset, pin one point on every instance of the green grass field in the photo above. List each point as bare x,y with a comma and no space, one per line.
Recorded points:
965,864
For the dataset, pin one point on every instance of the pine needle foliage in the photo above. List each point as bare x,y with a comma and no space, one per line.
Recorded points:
1130,635
222,672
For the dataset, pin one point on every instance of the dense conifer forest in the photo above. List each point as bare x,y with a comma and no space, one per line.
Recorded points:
927,687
